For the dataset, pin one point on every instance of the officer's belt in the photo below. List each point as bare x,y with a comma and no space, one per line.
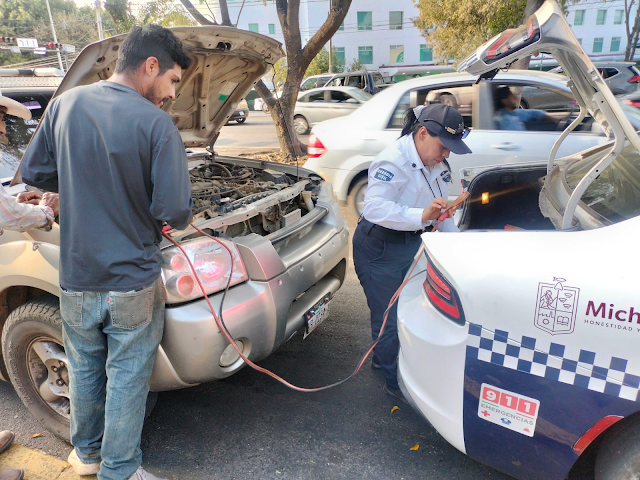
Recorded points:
387,234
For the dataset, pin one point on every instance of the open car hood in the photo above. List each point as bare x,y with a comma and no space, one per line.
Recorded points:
547,31
225,64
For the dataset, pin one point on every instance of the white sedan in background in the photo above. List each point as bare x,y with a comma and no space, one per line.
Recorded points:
521,347
342,149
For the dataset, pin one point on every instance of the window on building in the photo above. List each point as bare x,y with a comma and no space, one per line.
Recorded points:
395,20
365,55
272,28
426,54
339,55
253,27
618,17
597,44
341,27
615,44
602,17
365,21
396,53
578,18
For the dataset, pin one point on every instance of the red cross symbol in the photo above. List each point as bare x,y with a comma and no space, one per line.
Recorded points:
485,413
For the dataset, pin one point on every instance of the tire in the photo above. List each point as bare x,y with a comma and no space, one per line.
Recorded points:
355,200
300,125
265,108
241,120
618,456
523,103
34,327
448,99
37,326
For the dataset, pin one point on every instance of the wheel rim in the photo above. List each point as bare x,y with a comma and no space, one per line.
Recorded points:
47,365
300,125
359,198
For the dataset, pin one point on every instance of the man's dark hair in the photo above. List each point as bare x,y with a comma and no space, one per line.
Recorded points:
151,41
502,93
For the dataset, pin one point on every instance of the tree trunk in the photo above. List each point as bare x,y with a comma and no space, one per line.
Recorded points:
201,19
224,11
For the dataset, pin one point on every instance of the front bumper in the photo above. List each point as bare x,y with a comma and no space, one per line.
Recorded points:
263,314
431,362
238,114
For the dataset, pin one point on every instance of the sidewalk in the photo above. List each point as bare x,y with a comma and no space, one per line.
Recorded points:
38,465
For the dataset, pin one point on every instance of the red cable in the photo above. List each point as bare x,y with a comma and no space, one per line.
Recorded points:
230,339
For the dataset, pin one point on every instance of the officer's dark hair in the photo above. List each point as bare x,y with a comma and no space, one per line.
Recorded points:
151,41
411,124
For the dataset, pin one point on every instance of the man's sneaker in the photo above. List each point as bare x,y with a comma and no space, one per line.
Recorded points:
80,468
6,439
142,474
395,393
11,474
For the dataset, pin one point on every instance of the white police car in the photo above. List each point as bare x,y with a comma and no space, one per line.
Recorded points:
520,347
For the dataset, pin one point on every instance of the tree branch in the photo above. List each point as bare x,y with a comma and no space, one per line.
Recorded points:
224,11
201,19
336,16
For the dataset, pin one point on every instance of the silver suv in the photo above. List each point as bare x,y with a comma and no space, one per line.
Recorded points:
620,77
282,224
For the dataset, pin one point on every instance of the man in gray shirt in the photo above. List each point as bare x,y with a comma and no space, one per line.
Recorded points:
120,168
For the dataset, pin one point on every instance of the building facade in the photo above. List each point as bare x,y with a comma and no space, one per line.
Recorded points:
381,35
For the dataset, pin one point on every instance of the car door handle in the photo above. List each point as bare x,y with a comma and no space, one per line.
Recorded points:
506,146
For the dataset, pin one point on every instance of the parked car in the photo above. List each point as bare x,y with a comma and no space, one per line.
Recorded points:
370,82
342,149
284,227
524,356
631,99
33,88
241,113
319,104
620,77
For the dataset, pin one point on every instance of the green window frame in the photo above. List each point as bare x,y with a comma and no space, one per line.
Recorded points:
254,27
615,44
272,29
339,55
578,18
597,44
426,54
365,20
601,19
395,20
365,55
618,17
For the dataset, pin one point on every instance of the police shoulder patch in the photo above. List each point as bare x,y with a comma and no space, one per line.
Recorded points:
446,175
384,175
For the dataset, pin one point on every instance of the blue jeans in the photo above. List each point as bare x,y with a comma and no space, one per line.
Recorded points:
381,267
111,339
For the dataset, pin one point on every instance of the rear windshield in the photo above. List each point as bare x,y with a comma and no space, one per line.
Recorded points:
615,194
377,79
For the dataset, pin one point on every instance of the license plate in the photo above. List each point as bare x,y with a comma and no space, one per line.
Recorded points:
241,114
316,315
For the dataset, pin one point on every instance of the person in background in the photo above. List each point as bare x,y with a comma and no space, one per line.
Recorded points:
409,183
508,115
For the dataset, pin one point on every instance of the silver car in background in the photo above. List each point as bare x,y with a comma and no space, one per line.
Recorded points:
620,77
319,104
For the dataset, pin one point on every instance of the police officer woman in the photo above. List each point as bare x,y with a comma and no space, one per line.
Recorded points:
409,183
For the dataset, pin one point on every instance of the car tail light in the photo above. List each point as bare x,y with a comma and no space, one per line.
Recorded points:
634,79
315,148
212,263
442,295
512,40
633,103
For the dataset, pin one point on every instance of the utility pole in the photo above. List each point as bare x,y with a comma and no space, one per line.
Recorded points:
330,46
99,20
55,38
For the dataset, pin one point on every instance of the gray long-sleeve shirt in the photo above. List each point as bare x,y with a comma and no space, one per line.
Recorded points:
120,167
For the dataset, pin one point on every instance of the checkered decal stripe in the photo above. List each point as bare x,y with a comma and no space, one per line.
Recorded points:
574,366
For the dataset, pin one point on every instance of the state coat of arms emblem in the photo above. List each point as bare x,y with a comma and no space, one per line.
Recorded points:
556,307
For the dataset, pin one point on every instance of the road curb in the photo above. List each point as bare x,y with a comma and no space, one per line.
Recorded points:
38,465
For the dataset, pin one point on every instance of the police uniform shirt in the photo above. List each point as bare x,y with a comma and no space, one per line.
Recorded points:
401,187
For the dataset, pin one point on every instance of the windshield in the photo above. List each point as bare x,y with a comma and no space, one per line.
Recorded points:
615,194
360,95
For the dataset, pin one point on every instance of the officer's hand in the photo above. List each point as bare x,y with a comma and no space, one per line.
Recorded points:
433,211
32,198
51,200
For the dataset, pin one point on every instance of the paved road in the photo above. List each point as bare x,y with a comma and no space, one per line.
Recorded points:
248,426
256,134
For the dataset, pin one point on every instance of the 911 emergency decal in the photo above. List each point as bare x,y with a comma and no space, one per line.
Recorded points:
384,175
509,410
556,307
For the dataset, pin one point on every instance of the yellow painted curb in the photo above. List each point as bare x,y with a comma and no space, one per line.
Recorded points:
38,465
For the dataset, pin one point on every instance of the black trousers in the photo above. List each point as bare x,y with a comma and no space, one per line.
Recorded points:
381,267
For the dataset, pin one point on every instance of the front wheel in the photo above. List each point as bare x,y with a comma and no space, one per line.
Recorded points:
241,120
300,125
618,456
356,196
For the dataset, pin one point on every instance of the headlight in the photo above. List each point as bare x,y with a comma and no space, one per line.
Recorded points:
212,264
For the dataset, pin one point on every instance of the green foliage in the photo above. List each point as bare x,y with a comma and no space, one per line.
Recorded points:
356,65
280,69
165,13
320,64
120,12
